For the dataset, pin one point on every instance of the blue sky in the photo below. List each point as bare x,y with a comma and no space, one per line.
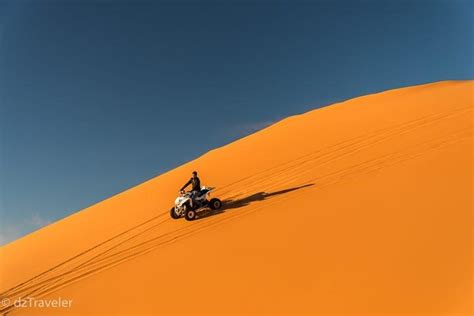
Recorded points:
98,96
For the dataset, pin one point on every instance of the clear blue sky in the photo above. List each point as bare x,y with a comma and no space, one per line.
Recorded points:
97,96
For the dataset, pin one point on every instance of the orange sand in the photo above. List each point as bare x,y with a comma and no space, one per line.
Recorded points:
359,208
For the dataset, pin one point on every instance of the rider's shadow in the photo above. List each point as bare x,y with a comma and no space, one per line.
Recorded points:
237,203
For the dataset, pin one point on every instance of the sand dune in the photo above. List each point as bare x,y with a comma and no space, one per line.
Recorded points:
359,208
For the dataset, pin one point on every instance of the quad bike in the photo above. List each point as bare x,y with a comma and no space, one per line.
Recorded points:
187,206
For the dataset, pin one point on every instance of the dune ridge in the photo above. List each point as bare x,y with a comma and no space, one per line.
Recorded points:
335,211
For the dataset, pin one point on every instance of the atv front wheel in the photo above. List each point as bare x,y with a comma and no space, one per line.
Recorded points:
173,214
215,204
190,215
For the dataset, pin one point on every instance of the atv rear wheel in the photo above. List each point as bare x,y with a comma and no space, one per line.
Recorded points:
190,215
215,204
173,214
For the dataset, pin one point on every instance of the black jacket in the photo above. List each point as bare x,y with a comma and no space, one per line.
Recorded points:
195,182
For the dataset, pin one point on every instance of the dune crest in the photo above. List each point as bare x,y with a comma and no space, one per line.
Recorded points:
359,208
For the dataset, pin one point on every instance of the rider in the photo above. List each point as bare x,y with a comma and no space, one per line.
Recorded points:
196,186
